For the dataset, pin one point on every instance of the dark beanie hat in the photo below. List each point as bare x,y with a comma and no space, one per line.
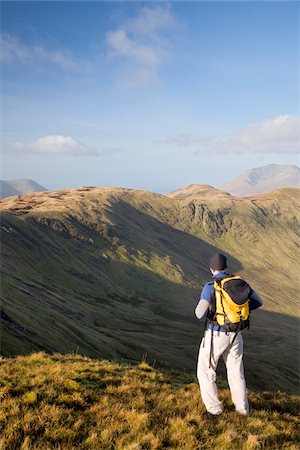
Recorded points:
218,261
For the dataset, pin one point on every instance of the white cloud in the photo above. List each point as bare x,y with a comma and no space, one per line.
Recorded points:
142,45
56,144
59,145
61,59
152,20
12,50
270,135
280,134
122,45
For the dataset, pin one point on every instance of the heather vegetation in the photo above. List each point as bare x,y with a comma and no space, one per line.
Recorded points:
68,402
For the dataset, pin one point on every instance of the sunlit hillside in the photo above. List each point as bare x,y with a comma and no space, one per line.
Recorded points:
73,402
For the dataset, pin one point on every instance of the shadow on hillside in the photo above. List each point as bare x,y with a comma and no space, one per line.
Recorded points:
167,237
117,310
275,401
273,347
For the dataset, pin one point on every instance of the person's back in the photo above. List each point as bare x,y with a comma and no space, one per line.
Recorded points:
217,342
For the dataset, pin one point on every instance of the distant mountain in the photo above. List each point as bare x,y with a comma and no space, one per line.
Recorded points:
9,188
263,179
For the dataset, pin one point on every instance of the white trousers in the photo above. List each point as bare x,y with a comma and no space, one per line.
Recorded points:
233,358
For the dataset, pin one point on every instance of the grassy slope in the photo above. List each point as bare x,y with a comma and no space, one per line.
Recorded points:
72,402
116,273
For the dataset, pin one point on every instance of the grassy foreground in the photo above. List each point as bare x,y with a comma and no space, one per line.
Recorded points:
73,402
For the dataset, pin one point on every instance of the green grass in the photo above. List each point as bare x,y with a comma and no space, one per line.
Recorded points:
71,401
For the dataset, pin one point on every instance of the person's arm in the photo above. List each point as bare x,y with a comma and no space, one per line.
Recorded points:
205,301
255,300
201,308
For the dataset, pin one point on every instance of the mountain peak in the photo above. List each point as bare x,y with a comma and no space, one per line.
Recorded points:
261,180
197,190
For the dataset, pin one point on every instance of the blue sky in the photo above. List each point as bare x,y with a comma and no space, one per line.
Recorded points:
147,95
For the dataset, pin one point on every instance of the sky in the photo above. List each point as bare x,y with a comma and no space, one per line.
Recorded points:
147,95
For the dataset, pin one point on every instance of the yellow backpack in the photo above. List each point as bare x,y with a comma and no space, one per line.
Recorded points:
231,303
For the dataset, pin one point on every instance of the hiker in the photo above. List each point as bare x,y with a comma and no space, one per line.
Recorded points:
221,342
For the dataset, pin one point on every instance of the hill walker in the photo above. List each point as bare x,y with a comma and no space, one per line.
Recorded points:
226,302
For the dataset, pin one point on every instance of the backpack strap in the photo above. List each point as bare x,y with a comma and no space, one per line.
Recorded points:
211,346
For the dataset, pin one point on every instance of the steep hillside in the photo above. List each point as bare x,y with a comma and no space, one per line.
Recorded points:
73,402
9,188
264,179
117,273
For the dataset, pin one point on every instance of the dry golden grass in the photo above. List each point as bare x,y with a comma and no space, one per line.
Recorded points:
73,402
